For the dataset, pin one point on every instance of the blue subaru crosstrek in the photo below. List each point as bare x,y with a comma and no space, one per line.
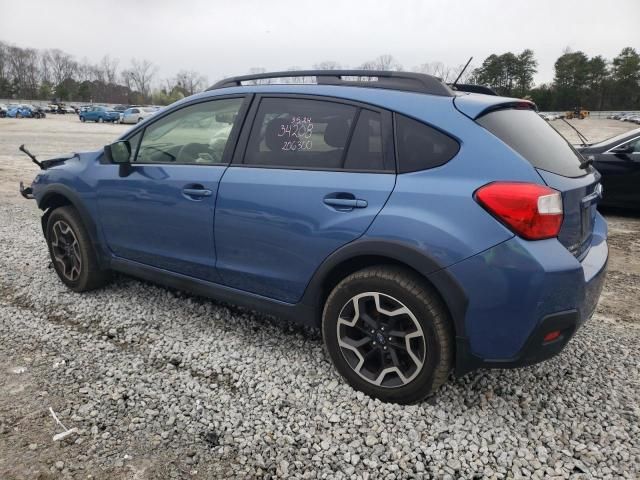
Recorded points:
423,228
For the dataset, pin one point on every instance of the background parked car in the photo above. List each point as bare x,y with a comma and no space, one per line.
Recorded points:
122,108
136,114
618,161
100,113
25,111
38,112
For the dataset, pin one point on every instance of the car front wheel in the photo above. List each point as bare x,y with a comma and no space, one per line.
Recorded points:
71,251
388,334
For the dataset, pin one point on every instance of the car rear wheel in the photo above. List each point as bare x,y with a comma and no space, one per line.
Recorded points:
100,120
82,119
388,334
18,115
71,251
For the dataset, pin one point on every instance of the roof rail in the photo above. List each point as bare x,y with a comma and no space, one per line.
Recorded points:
405,81
472,88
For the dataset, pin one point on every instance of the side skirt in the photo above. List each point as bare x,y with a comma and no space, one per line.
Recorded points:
297,313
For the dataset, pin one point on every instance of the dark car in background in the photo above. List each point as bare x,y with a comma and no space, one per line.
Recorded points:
618,161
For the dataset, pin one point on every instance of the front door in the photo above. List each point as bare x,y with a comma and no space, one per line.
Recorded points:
621,175
160,210
313,176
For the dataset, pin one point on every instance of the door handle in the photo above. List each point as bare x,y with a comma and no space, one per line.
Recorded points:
346,202
197,192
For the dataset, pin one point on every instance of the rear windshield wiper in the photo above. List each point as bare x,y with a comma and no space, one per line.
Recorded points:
583,139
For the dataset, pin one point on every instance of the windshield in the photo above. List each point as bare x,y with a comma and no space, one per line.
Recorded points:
532,137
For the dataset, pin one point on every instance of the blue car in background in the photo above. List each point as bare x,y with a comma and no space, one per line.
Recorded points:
25,111
423,228
99,114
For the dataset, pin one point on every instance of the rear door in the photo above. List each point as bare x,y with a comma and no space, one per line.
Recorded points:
311,176
559,165
160,210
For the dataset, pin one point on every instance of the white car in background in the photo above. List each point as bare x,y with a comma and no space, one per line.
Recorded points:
136,114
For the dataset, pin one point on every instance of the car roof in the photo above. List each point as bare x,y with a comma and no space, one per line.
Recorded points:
410,103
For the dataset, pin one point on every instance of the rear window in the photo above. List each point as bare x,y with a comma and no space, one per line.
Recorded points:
535,140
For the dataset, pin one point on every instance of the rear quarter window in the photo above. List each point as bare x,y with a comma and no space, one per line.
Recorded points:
535,140
420,147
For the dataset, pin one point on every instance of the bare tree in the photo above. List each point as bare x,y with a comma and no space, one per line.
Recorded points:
63,65
327,65
24,69
382,62
189,82
109,69
140,75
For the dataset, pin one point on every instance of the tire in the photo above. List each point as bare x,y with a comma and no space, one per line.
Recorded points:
18,115
79,270
100,120
423,317
139,120
82,119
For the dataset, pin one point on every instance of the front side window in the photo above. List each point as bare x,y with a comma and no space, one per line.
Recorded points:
299,133
196,134
635,145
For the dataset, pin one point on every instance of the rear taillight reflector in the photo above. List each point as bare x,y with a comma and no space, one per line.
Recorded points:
532,211
551,336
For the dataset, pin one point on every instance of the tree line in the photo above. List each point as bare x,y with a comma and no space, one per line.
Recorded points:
52,74
594,83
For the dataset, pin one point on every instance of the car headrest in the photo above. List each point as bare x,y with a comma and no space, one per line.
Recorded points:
271,138
336,132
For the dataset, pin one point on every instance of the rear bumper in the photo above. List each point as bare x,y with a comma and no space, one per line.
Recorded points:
518,292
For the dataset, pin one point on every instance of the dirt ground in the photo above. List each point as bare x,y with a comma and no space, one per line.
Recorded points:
26,448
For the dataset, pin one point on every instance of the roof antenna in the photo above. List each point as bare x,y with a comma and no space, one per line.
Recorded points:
463,70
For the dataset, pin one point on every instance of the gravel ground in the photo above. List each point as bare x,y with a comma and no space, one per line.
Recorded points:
161,384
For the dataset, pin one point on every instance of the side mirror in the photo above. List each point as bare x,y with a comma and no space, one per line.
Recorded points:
118,152
625,149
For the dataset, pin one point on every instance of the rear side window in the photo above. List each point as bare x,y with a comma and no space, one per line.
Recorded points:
299,133
529,135
421,147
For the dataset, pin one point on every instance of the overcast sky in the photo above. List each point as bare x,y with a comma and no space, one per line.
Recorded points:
228,38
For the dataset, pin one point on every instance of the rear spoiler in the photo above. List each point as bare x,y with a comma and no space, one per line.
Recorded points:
474,106
467,87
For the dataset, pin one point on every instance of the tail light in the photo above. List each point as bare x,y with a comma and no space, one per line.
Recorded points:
532,211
